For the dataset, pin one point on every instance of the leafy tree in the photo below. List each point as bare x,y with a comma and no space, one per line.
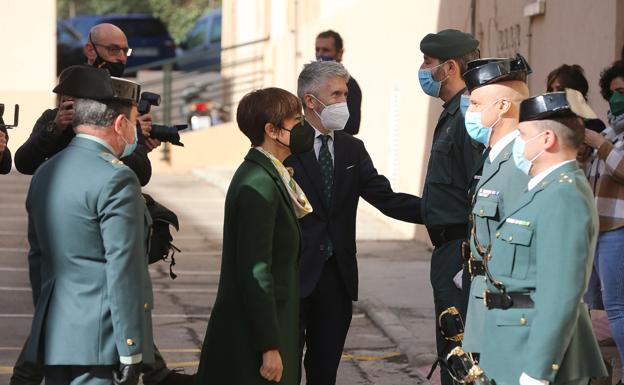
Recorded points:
178,15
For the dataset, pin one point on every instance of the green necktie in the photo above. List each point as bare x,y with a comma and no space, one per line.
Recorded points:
327,174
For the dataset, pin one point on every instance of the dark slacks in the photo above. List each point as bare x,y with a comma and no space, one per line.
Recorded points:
78,375
446,261
324,320
28,373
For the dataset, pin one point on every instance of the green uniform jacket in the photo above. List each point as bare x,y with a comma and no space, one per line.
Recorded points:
453,162
257,305
545,246
499,188
88,234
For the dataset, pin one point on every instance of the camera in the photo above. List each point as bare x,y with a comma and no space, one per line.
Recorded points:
3,126
161,132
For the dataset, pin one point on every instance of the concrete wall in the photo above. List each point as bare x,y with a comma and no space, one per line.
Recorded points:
28,62
588,33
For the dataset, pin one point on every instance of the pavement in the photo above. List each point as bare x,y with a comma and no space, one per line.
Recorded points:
391,340
391,336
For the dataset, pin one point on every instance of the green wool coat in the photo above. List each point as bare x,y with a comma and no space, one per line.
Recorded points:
544,247
257,305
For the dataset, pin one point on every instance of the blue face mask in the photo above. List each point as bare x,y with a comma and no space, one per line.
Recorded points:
428,84
130,147
521,162
464,103
474,125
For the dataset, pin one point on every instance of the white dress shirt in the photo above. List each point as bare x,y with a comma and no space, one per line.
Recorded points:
539,177
318,142
501,144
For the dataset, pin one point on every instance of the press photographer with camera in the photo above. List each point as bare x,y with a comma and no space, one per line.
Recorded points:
107,48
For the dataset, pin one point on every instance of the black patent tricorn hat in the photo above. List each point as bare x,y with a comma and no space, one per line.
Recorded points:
554,105
87,82
485,71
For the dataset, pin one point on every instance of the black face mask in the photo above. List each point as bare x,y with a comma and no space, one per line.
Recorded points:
301,138
114,69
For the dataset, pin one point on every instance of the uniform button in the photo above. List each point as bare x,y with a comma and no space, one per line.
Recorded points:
481,211
555,367
510,238
497,234
146,306
130,342
523,321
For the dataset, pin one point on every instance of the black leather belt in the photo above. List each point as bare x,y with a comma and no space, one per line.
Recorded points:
442,235
507,300
475,267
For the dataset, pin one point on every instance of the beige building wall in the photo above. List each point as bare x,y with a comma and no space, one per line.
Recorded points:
28,63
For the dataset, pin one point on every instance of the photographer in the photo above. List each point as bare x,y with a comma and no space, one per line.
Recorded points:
107,48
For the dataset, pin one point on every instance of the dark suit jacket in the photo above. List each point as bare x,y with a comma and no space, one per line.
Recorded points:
355,176
42,145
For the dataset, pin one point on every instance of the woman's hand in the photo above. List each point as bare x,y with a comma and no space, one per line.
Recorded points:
594,139
271,368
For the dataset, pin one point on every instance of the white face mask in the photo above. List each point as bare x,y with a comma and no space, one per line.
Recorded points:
333,117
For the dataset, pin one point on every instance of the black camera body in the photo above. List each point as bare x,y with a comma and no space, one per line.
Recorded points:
3,126
160,132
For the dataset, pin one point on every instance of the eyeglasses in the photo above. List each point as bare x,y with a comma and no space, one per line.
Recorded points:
115,50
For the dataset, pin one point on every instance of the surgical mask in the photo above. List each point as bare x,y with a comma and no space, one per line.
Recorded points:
325,58
428,84
114,69
301,138
616,104
464,103
129,147
335,116
474,125
521,162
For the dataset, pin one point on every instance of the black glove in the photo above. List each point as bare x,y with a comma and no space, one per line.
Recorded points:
127,374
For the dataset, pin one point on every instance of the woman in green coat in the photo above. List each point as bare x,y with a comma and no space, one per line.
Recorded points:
252,335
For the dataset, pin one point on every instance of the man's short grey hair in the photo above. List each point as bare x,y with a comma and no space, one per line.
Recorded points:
570,130
316,73
93,113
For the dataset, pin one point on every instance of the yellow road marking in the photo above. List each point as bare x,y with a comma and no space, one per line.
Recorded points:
182,364
6,370
4,349
180,350
354,357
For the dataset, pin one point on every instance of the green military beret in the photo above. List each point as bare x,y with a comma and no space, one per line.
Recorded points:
448,43
87,82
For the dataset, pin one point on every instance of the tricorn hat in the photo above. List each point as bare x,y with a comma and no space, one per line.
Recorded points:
481,72
87,82
554,105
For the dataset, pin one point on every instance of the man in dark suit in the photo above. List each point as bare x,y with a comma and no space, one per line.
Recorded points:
334,176
329,46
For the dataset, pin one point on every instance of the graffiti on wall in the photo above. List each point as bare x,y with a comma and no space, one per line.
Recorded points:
508,41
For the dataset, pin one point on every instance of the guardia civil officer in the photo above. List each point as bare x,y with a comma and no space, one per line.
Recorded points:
497,87
453,163
537,328
88,234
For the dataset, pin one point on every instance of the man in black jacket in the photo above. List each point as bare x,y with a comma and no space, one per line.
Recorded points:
329,46
334,176
107,48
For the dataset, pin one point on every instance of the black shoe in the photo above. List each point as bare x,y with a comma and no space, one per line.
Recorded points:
176,377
